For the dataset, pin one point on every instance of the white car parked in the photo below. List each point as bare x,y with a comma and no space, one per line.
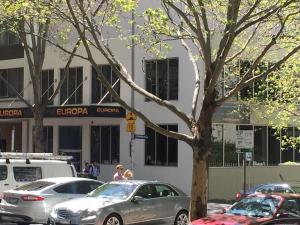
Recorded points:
33,202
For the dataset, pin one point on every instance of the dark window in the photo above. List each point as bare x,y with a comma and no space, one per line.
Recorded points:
84,187
8,39
162,78
99,92
47,85
71,90
165,191
3,172
147,191
273,147
48,138
25,174
105,144
260,145
159,149
70,138
15,78
69,188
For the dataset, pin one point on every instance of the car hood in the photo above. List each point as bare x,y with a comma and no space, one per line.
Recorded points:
227,219
90,203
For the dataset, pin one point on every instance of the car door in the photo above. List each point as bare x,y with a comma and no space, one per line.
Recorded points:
165,203
142,210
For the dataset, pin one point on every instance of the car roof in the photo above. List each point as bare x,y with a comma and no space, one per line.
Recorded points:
67,179
23,161
276,195
137,182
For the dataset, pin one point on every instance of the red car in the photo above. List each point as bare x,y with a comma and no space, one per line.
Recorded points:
256,209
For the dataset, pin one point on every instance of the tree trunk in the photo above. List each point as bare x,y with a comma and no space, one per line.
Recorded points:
38,131
201,149
198,204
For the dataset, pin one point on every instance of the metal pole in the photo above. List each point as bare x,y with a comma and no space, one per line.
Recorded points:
244,162
131,148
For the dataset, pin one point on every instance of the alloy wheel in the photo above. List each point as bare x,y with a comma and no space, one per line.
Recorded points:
182,219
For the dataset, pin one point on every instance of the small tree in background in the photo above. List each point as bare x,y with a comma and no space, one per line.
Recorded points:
31,22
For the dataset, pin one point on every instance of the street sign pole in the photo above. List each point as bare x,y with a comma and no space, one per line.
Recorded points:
244,177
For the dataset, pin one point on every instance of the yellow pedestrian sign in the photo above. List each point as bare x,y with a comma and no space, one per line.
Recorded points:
131,127
131,116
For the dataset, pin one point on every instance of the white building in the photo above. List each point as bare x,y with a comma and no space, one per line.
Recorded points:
92,132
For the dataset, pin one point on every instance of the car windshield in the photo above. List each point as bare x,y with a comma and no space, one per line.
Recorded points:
296,188
255,207
119,191
34,186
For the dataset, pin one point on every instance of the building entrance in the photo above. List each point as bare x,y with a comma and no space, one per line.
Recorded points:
10,137
70,143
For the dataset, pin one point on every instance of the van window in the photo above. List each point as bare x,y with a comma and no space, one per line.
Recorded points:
34,186
3,172
25,174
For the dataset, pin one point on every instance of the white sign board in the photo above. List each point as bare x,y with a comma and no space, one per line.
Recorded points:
248,156
244,139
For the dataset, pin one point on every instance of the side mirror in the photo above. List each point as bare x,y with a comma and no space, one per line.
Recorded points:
136,199
224,210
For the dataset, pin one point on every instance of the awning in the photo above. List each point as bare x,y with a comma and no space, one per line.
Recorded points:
65,111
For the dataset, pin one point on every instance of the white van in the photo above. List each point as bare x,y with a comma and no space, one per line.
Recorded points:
20,168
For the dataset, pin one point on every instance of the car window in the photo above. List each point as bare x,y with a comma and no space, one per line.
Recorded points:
25,174
282,189
164,190
3,172
296,189
291,207
265,189
147,191
84,187
255,207
112,190
34,186
69,188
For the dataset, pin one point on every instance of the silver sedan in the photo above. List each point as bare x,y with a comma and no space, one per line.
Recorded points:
33,202
125,202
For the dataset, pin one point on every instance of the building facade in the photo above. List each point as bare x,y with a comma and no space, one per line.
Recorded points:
84,120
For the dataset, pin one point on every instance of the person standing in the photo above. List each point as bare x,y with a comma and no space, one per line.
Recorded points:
119,172
94,171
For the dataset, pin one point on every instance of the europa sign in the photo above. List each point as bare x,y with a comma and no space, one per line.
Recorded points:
66,111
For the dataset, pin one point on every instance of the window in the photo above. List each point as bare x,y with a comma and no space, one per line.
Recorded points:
162,78
48,138
105,144
147,191
77,187
69,188
47,85
25,174
216,157
71,90
35,186
8,39
274,148
3,172
98,90
70,138
15,78
260,145
159,149
165,191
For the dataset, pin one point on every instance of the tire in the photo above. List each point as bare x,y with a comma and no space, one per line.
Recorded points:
113,219
22,224
182,218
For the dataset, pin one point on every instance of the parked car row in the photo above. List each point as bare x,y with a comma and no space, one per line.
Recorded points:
60,201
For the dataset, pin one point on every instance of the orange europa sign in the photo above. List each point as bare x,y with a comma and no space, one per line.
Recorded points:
10,113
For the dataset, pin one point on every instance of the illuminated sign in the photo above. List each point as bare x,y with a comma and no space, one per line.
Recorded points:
66,111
